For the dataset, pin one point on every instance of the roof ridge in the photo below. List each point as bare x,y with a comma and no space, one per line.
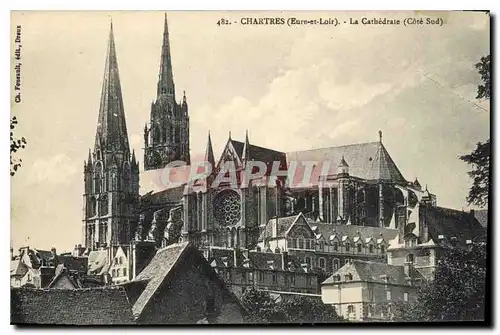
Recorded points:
259,147
334,146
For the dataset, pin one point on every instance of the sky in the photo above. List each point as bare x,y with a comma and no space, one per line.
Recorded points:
293,88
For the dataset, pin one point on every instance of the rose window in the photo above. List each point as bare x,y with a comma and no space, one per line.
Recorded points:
227,208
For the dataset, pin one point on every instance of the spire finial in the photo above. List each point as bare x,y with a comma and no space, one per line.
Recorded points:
165,77
230,134
380,136
183,97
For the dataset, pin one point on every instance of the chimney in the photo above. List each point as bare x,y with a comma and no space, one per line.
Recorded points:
408,270
284,260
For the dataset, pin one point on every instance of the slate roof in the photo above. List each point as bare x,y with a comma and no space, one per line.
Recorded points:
160,268
156,272
169,195
481,215
95,306
261,154
451,223
74,263
60,272
284,223
367,271
98,262
369,161
18,268
351,231
327,230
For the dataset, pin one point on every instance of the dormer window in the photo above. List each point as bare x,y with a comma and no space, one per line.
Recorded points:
370,248
347,247
336,264
348,277
410,258
382,249
335,246
359,247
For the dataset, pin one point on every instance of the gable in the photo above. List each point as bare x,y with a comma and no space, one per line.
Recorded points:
229,154
300,227
180,291
63,281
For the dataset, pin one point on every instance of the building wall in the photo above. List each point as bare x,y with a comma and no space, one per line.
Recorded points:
425,259
365,300
240,279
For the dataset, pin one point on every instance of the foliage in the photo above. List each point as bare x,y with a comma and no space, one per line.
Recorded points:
15,145
484,69
457,292
480,173
300,309
480,157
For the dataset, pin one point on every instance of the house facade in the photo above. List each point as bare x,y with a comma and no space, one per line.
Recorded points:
367,291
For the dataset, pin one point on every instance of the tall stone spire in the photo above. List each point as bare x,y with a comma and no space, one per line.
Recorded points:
166,78
111,127
112,179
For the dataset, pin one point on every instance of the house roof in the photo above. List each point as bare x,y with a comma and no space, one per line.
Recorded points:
94,306
74,263
18,268
351,232
283,224
367,271
60,272
451,223
369,161
481,215
162,266
98,262
155,273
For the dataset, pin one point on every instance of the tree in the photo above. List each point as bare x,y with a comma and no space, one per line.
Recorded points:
484,69
15,145
457,292
480,157
300,309
262,308
480,173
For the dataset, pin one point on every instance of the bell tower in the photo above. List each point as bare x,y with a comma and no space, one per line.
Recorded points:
166,137
111,172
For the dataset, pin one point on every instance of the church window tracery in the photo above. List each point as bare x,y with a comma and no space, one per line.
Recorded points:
227,208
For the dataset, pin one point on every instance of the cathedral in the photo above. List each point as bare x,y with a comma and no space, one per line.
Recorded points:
306,210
